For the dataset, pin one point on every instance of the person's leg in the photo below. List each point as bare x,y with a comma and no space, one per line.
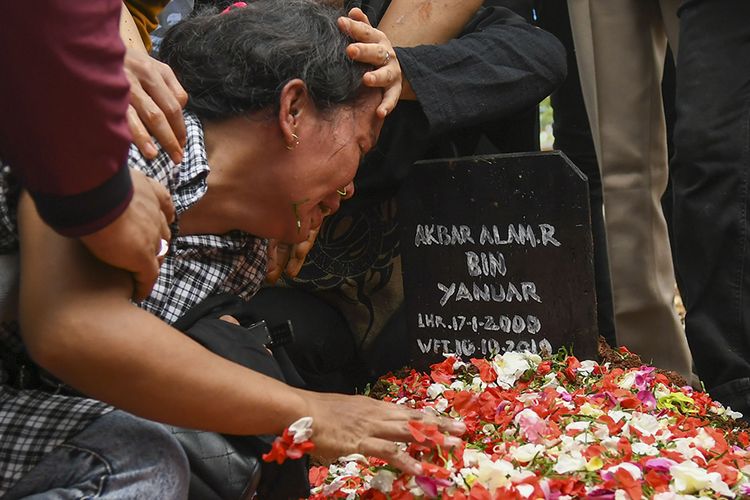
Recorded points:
620,46
710,172
573,137
118,456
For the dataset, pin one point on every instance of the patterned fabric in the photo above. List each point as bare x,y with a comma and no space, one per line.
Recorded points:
198,266
32,422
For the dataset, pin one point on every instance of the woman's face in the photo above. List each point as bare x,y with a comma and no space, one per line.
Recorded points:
331,147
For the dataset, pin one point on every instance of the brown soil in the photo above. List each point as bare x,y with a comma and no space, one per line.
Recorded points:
630,360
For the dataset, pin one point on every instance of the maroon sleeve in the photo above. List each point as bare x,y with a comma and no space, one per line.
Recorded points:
63,98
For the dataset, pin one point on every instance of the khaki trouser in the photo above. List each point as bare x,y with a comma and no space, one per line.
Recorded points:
620,47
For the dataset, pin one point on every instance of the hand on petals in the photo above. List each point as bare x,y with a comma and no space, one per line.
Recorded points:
357,424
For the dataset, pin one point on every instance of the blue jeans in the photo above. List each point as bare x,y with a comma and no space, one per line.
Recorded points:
711,189
119,456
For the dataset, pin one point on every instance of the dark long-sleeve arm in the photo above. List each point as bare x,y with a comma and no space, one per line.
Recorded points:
63,97
499,66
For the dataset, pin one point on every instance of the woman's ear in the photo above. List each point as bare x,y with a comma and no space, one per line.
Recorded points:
294,103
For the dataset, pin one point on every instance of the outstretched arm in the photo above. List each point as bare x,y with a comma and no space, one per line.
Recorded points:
78,323
467,69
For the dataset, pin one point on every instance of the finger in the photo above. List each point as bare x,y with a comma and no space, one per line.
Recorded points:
444,424
370,53
165,201
294,266
283,254
362,32
392,453
175,99
141,137
358,15
390,100
382,77
229,319
145,279
156,122
174,85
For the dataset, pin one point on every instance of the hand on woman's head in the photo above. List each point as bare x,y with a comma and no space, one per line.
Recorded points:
373,47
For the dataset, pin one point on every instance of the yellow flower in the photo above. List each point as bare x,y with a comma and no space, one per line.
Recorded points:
678,402
595,463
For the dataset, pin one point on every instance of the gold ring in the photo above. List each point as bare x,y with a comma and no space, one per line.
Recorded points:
341,191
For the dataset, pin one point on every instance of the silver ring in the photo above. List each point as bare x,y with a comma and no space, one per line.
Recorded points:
387,58
163,248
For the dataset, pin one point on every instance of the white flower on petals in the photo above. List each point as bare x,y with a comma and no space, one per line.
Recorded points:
459,364
526,490
477,385
645,423
661,391
550,380
601,431
618,415
684,446
530,397
570,462
355,457
610,443
585,437
351,469
732,414
632,469
690,478
441,405
644,449
704,440
458,385
578,426
509,367
526,452
569,444
334,486
587,367
627,381
435,390
491,474
301,429
664,436
383,481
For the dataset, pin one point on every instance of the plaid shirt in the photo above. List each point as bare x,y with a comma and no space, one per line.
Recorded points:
33,423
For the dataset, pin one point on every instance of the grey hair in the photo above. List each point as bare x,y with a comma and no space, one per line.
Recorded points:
238,61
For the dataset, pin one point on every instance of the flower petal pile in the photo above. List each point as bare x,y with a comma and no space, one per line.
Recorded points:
554,429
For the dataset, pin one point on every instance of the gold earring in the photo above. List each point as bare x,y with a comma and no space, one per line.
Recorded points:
296,142
341,191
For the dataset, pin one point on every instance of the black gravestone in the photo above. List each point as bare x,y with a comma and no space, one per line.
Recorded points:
497,255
